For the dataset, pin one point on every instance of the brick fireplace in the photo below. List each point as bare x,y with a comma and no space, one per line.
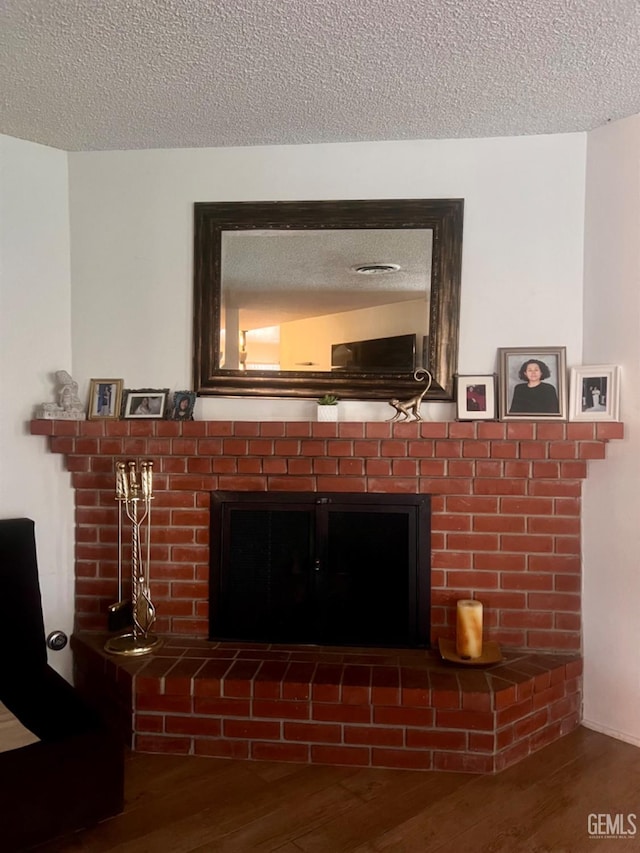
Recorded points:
505,529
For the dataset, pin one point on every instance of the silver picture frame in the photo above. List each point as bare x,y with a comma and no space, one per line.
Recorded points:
532,383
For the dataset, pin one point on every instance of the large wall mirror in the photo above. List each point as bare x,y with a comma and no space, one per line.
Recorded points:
301,299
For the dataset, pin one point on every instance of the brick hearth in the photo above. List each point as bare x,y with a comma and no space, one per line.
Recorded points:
365,707
506,501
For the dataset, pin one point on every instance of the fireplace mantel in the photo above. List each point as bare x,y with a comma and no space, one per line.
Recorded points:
506,500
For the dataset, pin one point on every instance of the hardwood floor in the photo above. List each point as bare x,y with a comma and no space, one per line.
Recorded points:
184,805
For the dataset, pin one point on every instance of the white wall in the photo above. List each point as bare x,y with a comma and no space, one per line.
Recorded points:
131,232
35,341
611,512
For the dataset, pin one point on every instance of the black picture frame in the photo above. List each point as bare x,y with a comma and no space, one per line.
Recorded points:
178,411
134,406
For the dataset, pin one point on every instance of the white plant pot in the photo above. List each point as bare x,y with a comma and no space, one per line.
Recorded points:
327,413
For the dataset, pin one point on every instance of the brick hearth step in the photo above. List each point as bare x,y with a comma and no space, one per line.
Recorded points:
391,708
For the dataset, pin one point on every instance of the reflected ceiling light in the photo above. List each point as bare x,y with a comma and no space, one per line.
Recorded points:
376,269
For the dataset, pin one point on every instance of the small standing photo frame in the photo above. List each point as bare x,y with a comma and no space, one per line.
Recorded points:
594,393
476,397
182,406
105,396
533,383
145,403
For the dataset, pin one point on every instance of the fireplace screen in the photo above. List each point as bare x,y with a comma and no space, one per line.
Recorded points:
320,568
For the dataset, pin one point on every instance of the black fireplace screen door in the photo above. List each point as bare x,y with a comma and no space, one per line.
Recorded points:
318,568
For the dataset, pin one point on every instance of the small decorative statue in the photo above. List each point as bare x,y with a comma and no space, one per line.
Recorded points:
69,407
409,410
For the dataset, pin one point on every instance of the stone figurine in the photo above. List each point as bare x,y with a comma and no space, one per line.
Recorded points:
69,406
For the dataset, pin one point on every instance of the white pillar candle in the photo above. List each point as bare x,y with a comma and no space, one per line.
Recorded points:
469,628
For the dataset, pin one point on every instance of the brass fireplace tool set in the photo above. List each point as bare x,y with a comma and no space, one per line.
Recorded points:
134,493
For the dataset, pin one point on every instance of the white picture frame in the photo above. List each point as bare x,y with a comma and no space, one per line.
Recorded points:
476,397
594,392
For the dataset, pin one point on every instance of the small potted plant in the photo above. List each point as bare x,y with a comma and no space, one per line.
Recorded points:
328,408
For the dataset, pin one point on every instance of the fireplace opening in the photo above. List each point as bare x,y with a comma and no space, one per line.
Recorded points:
320,568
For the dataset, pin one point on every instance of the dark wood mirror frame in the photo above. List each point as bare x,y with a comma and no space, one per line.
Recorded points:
443,216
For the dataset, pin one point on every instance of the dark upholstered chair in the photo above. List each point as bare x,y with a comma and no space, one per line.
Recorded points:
73,775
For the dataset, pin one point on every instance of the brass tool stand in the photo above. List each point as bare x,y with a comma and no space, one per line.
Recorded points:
134,492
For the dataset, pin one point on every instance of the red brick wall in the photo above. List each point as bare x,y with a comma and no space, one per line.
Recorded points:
506,507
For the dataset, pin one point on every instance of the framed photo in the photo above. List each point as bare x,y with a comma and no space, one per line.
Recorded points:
594,392
182,406
145,403
476,397
533,383
105,396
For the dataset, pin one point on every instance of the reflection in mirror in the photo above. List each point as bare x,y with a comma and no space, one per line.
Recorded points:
307,298
324,300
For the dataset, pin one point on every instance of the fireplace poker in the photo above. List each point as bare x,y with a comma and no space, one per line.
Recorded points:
120,614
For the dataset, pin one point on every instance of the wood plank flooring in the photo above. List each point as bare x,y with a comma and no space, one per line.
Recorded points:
196,805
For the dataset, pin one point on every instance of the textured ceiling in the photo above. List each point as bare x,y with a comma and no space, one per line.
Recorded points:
122,74
277,276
